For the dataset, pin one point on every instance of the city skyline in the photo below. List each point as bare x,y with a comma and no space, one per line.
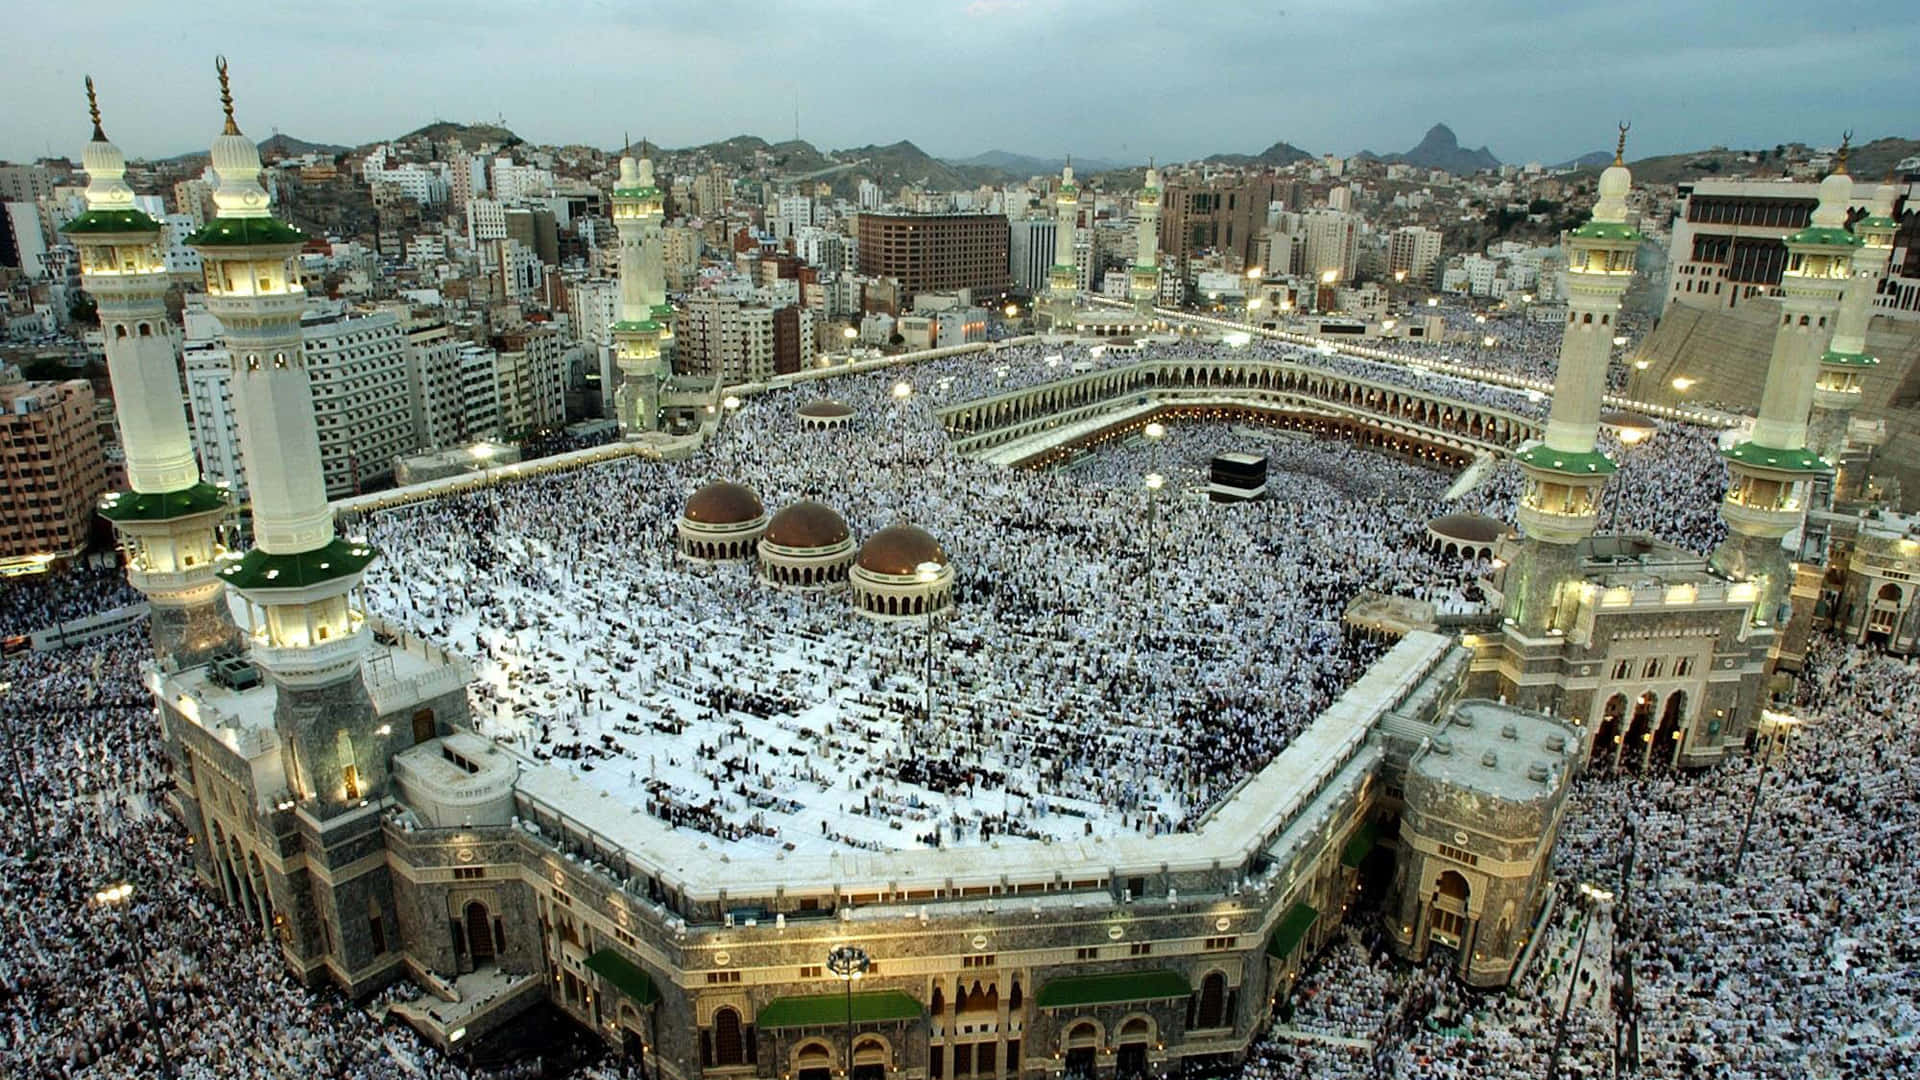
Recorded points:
1354,77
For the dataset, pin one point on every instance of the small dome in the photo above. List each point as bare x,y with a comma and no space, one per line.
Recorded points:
1611,206
899,550
724,503
825,409
807,524
1471,528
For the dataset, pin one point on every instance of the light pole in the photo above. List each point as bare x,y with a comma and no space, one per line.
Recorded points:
850,335
849,962
1593,895
113,897
19,775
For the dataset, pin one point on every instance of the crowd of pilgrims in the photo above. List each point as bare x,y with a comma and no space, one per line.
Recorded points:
1093,674
1522,346
72,1004
1791,956
34,602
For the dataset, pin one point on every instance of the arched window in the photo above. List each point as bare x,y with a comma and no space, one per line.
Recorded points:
1213,1002
727,1046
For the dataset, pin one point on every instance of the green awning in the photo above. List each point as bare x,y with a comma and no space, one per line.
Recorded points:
815,1010
625,976
1293,927
162,506
259,570
1156,985
1360,843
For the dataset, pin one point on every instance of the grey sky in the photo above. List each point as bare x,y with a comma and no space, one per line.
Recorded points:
1532,79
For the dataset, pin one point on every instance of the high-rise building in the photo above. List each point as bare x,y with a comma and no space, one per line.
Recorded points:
1415,251
792,339
194,198
167,521
486,220
1030,253
362,409
531,372
216,429
1333,240
26,241
51,470
724,338
935,252
1222,214
25,183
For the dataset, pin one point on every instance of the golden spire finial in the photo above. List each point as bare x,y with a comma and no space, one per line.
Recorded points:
93,109
1846,143
1620,147
226,96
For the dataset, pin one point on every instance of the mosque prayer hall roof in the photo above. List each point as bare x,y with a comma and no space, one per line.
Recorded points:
899,550
805,525
725,503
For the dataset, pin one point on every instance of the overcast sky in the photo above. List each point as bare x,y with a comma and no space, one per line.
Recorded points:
1119,79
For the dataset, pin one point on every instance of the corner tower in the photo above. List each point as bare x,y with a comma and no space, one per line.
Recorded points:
306,626
1143,281
1565,472
168,522
1063,280
1773,471
643,332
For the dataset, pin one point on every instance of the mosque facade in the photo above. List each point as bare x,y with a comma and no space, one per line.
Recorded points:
338,798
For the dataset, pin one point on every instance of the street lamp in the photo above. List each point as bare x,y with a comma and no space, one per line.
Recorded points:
1013,311
902,390
849,962
114,898
731,402
926,574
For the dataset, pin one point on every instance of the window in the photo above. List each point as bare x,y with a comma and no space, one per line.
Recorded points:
1652,670
727,1044
1683,667
1622,668
985,960
1140,948
1090,953
469,873
1217,943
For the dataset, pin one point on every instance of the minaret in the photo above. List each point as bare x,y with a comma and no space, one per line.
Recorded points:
644,330
168,522
1767,493
1560,504
1063,280
1143,283
305,624
1837,390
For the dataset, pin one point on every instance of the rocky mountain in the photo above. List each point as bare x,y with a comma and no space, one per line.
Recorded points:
1441,149
1868,162
1280,153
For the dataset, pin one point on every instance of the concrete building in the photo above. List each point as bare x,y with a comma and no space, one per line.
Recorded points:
1222,214
364,411
216,431
25,183
52,473
728,339
1728,242
486,220
936,252
531,373
1030,253
1415,251
1333,244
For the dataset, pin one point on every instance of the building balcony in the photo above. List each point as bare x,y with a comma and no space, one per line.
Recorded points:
316,660
1766,520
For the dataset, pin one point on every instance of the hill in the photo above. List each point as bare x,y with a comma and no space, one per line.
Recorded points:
1023,166
1867,162
1441,149
1279,154
284,145
466,136
1592,159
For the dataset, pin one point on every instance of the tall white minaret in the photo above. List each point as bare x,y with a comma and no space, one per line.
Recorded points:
640,334
1772,472
1143,282
168,522
1836,391
301,583
1565,472
1063,280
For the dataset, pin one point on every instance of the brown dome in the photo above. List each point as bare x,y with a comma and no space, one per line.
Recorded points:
825,409
1470,528
899,550
724,503
807,524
